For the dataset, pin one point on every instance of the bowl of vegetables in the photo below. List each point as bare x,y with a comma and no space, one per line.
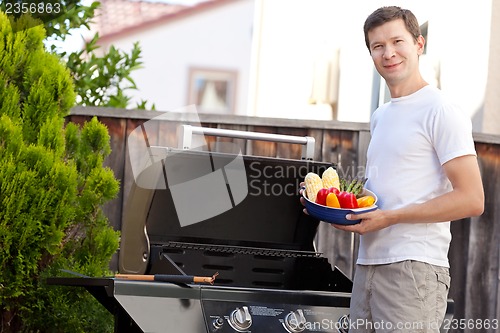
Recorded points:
330,198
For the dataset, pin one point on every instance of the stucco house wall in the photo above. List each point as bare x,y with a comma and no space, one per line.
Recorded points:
214,37
291,45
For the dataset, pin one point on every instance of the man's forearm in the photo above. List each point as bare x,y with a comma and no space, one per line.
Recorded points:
454,205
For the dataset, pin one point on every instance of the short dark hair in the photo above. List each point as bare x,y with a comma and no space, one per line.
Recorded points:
391,13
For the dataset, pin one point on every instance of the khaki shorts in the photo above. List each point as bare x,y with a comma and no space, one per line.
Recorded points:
407,296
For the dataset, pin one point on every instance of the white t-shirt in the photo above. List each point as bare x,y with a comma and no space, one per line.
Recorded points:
412,137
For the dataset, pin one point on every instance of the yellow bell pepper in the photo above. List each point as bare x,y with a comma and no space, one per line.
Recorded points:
332,200
366,201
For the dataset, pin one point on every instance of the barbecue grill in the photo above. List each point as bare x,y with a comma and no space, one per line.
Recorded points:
268,275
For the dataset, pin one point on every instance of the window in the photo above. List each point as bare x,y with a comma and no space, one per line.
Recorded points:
212,90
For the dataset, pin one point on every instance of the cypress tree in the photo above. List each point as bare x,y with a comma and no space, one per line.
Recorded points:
52,188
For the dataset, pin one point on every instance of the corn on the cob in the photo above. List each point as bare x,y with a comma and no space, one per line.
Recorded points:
331,178
313,185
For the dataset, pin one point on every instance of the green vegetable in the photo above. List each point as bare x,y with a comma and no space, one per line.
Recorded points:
354,186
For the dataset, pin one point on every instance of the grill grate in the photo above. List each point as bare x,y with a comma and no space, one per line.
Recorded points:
256,251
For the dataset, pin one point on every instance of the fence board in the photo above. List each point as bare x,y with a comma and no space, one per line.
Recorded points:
262,148
458,253
287,150
115,161
482,261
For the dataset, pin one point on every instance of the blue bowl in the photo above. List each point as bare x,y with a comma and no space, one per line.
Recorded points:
337,215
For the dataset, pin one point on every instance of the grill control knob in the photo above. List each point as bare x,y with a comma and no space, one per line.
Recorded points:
217,323
240,319
295,321
343,324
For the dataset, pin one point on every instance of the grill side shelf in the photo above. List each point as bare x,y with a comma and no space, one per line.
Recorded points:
101,288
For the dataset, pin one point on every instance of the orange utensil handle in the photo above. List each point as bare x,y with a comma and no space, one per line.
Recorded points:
168,278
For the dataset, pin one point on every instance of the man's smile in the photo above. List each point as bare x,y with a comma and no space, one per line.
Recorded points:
391,66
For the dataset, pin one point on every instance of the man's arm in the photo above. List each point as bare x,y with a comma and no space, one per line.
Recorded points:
465,200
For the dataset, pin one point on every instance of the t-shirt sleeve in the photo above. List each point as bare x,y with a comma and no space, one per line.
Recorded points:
452,133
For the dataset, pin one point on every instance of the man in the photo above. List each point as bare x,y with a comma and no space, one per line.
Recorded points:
421,163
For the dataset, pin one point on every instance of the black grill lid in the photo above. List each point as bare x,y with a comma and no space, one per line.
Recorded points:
270,212
269,216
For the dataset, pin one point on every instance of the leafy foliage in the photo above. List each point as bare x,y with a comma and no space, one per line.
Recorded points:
52,188
101,77
103,80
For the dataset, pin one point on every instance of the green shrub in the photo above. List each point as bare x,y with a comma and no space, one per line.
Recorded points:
52,188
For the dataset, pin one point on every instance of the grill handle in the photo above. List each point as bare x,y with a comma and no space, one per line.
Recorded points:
187,131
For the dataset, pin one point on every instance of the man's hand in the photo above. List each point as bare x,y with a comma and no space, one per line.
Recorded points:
370,221
464,200
302,200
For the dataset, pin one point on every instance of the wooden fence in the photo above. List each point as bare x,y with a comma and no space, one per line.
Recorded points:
474,253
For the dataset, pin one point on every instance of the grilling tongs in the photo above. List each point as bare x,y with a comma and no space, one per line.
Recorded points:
176,278
169,278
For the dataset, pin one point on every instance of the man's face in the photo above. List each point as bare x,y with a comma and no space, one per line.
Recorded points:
395,52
